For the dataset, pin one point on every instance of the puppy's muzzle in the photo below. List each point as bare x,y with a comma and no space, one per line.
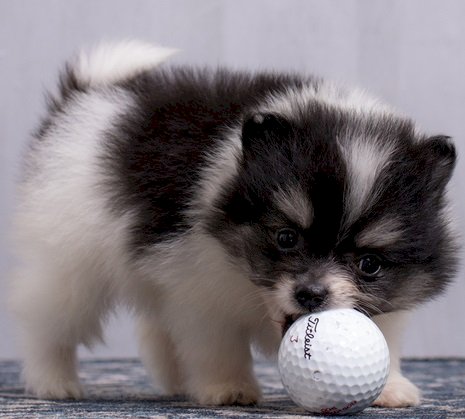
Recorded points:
310,298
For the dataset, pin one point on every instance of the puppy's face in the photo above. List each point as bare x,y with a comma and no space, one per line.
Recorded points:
338,209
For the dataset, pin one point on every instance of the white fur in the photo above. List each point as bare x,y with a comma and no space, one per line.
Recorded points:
197,340
70,247
365,161
343,291
109,63
78,269
399,391
197,314
220,169
295,204
282,299
355,100
222,313
384,232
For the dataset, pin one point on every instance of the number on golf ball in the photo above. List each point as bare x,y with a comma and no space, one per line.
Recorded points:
334,362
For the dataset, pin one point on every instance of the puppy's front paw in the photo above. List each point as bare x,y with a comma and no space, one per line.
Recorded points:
398,392
230,394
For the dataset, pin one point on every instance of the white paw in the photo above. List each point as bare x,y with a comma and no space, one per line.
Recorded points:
398,392
244,394
57,389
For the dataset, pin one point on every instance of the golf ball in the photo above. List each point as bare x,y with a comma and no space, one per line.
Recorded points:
334,362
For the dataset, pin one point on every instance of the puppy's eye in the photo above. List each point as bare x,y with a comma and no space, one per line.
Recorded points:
287,238
370,265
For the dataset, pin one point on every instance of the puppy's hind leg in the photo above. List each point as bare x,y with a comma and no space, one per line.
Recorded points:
57,310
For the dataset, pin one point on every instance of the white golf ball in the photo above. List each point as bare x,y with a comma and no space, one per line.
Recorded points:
334,362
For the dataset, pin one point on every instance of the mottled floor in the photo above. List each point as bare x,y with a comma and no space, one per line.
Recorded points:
121,389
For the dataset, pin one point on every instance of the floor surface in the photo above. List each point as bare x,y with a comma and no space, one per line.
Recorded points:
121,389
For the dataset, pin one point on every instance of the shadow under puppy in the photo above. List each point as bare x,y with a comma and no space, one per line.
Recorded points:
220,206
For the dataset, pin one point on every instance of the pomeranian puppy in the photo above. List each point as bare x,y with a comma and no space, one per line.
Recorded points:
219,206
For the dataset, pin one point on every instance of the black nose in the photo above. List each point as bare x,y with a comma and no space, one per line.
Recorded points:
310,297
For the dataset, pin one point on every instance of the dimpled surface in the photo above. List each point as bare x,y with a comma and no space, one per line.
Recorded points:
334,362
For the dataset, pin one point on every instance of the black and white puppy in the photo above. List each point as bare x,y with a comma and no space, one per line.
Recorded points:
219,206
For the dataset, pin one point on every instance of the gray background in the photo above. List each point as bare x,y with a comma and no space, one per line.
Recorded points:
410,53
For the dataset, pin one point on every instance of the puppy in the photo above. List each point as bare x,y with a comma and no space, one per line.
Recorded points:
219,206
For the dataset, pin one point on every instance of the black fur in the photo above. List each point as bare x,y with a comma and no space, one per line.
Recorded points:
155,155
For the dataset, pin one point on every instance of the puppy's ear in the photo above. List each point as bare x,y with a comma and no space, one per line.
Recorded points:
439,156
263,130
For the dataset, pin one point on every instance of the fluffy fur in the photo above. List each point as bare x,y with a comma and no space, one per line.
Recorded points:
219,206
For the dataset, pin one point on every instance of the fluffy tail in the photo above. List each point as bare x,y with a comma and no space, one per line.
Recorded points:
109,63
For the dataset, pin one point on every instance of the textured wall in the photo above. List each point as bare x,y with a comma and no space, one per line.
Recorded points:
410,53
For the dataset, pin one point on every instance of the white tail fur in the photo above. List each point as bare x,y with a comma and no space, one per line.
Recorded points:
111,62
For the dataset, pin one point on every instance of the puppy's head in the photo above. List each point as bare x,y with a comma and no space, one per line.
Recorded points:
338,208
